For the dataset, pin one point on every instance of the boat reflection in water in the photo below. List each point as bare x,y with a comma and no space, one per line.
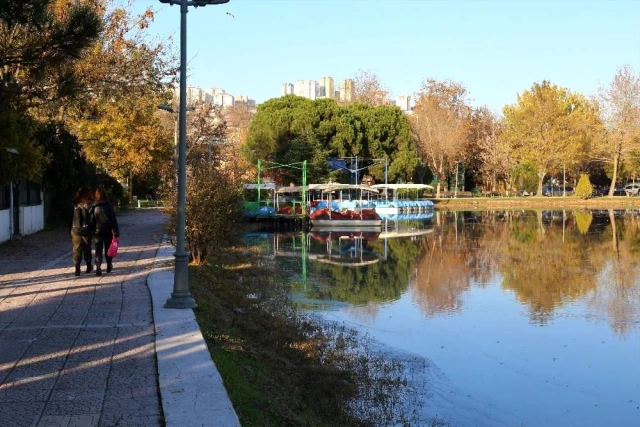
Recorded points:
354,249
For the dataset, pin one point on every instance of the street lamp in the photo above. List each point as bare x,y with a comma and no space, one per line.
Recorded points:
181,297
12,214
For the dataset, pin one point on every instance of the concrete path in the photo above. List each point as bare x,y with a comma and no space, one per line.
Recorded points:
82,351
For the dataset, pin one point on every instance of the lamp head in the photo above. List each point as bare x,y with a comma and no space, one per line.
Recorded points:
207,2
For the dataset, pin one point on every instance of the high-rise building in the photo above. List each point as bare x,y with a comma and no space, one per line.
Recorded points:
326,88
347,90
307,89
244,100
194,95
223,99
299,88
404,102
286,89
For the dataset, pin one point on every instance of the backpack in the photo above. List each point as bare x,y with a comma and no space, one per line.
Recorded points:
81,224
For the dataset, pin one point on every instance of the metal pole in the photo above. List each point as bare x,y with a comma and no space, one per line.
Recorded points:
180,297
564,182
175,150
11,214
259,164
386,179
304,189
356,170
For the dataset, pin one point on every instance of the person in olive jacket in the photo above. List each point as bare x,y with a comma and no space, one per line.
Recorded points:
80,229
105,226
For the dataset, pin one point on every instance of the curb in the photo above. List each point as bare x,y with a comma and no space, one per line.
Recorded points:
191,388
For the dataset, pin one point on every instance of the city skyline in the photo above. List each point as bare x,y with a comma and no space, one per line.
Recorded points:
496,49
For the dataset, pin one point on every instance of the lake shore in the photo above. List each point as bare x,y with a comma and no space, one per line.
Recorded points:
473,203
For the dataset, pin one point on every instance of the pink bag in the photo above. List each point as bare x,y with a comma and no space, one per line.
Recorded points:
112,252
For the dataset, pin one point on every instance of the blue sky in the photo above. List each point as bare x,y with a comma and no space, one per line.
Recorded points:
496,48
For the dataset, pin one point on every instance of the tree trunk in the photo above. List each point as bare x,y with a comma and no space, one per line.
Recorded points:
130,188
614,234
614,176
440,175
541,175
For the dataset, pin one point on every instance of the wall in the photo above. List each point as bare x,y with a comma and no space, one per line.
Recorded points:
4,225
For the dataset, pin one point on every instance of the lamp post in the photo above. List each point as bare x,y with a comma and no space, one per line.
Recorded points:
181,297
12,214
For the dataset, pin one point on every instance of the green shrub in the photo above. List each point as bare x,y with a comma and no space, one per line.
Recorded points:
584,190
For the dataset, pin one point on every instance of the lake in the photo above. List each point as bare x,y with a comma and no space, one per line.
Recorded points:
524,317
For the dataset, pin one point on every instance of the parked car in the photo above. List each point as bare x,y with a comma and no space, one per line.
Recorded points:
632,189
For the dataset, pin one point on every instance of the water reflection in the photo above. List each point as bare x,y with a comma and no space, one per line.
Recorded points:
520,310
547,259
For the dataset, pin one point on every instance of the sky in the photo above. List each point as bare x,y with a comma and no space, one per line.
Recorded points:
497,49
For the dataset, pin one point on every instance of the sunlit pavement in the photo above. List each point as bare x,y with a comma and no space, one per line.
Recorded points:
81,351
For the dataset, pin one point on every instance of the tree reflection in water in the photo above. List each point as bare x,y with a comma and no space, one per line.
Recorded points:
547,259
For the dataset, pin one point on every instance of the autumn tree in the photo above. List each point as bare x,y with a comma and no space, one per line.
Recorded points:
620,112
440,121
214,197
549,127
486,154
125,77
369,89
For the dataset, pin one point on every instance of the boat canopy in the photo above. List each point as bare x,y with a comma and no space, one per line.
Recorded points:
265,186
328,187
403,186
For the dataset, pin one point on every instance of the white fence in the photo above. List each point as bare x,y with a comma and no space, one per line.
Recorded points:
31,220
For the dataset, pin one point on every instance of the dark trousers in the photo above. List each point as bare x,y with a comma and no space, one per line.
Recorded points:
102,242
81,248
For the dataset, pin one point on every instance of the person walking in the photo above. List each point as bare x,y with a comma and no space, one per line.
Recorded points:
80,229
105,226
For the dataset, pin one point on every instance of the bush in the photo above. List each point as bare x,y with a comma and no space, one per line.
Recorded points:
584,190
213,207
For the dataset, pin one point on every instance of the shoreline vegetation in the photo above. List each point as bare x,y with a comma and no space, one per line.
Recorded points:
283,367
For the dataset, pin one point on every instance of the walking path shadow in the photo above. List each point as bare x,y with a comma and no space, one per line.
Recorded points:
82,351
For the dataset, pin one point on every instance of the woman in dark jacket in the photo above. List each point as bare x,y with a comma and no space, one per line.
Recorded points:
80,228
105,226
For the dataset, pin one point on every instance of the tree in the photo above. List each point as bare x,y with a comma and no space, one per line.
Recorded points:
584,189
440,125
385,133
485,152
620,113
214,198
38,53
550,127
355,130
369,89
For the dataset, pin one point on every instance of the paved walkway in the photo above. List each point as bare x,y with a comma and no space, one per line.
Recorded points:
82,351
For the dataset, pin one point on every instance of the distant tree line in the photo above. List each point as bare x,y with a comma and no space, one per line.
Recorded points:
549,132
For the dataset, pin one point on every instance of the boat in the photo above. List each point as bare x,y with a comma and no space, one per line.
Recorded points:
341,214
396,205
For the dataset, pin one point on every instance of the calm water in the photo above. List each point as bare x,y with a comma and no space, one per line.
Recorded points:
526,318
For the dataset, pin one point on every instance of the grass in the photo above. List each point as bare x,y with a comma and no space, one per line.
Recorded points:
283,368
533,202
